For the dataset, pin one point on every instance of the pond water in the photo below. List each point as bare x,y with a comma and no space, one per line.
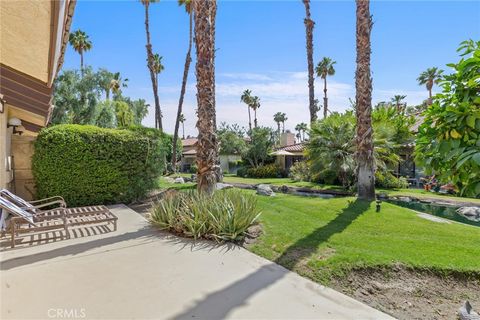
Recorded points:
439,210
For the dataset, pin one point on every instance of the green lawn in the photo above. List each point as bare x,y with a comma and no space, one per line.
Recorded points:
319,238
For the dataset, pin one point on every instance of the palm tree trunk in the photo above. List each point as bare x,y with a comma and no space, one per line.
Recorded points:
183,130
363,85
309,24
325,99
81,62
429,87
158,117
255,118
249,119
207,148
188,59
283,126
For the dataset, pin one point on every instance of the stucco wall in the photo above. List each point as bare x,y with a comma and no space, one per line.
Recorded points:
5,134
22,151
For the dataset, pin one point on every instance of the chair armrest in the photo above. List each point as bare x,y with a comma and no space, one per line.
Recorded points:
56,198
60,203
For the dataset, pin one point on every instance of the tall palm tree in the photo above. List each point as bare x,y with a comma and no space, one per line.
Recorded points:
397,100
247,99
284,118
363,85
325,68
255,104
188,59
309,24
151,66
207,148
428,78
157,68
277,117
81,43
182,119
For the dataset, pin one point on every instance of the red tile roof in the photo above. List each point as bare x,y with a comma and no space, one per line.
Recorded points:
297,147
189,142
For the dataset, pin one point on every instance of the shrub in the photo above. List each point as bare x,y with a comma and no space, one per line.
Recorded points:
90,165
223,216
193,168
300,171
389,181
167,140
242,172
266,171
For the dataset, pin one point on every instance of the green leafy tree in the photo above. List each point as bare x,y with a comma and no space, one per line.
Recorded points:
231,139
140,110
324,69
448,142
428,78
261,145
81,43
125,116
107,117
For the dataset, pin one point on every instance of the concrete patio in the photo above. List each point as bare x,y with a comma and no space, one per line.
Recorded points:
140,273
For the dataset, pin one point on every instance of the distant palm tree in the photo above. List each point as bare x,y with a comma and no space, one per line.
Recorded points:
309,24
117,83
325,68
81,43
151,66
363,85
247,99
284,118
301,128
278,117
428,78
182,119
207,148
397,100
255,104
188,59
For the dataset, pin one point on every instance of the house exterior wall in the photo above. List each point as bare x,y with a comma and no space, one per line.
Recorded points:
22,151
4,149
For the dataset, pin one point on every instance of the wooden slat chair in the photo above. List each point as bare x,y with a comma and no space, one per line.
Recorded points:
78,216
24,221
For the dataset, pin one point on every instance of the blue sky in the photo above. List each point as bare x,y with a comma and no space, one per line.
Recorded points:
261,46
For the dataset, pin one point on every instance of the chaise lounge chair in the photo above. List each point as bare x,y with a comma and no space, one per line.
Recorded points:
33,214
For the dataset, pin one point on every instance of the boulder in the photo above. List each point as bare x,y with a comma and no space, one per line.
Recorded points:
471,213
179,180
284,189
466,312
265,190
221,186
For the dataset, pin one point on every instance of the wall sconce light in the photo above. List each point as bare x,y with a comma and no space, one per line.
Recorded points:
2,103
16,124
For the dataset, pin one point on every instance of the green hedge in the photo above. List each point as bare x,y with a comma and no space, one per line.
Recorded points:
266,171
90,165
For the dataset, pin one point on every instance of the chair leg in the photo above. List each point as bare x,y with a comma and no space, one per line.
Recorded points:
13,234
67,234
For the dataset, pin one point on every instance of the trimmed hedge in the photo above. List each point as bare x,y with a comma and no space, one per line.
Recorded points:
266,171
90,165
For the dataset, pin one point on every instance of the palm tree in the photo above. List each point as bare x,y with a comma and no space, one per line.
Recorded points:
116,83
278,117
325,68
247,99
105,79
428,78
182,119
301,128
81,43
299,132
255,104
284,118
188,60
151,66
398,101
309,24
363,86
157,68
207,149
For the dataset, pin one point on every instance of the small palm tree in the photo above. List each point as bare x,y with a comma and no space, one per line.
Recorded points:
182,120
397,100
81,43
325,68
247,99
301,128
428,78
255,104
117,83
277,117
284,118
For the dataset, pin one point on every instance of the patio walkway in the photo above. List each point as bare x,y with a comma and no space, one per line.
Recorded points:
140,273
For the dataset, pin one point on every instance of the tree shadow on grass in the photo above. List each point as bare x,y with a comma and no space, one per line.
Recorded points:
218,304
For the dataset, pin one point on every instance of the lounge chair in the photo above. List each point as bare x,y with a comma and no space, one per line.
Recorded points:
73,216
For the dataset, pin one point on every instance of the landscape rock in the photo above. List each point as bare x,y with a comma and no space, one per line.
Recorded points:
471,213
169,180
265,190
221,186
284,189
194,177
179,180
466,312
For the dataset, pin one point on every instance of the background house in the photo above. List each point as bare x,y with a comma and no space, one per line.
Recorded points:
289,151
33,38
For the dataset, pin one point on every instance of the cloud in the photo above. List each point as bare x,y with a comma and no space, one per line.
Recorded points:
245,76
